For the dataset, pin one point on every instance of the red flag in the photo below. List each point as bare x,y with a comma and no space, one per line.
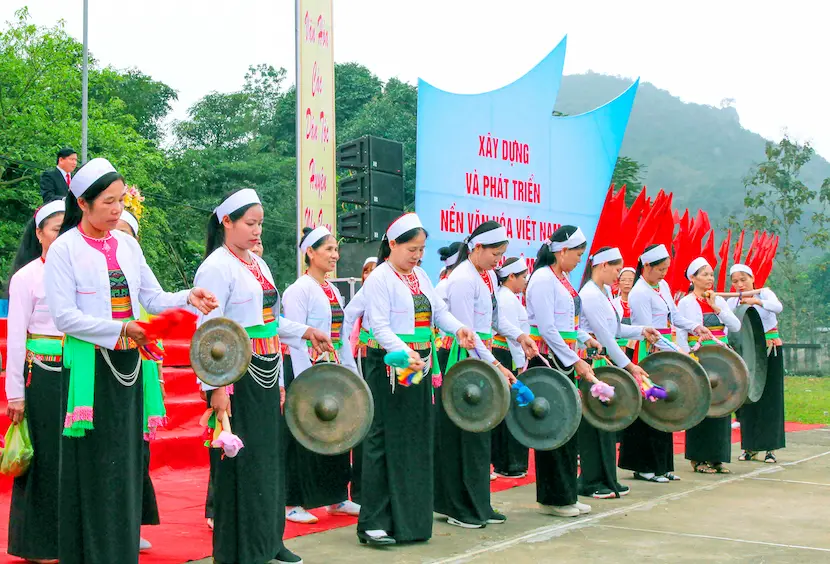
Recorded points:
724,261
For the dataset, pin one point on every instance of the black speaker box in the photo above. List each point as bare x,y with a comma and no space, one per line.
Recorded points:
373,153
372,188
366,224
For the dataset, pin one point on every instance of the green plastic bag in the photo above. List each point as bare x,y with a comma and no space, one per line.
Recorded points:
17,454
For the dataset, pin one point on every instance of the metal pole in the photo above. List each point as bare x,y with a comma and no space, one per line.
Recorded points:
85,85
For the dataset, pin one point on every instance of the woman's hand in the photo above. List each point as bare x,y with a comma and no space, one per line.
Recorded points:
202,300
651,334
320,342
584,371
529,346
220,402
16,410
511,379
466,338
136,332
592,343
416,363
704,333
636,371
752,300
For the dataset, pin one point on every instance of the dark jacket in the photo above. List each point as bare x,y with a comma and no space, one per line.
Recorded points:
53,185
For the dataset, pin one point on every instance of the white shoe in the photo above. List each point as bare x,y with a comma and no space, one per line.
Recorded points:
299,515
210,523
144,544
583,508
464,525
559,510
493,476
347,507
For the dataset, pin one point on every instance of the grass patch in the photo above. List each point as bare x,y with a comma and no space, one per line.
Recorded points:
806,399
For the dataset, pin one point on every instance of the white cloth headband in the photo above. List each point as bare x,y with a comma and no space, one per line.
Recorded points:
741,268
370,260
131,221
406,222
46,210
628,269
659,252
237,200
89,173
451,260
319,233
516,267
498,235
696,265
575,240
606,256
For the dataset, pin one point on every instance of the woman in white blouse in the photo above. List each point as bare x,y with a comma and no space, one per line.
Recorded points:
462,458
402,310
553,307
315,480
762,422
508,455
708,444
249,489
644,450
33,390
598,449
96,278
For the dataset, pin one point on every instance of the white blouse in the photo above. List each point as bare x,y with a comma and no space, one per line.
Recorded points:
390,309
601,318
77,284
355,309
652,309
441,288
690,309
240,296
306,302
471,302
28,313
551,309
510,306
768,310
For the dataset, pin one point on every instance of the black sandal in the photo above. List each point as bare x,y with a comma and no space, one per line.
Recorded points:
770,458
703,468
720,468
748,455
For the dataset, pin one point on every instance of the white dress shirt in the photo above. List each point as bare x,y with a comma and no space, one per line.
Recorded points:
28,313
600,318
650,308
768,310
510,306
690,309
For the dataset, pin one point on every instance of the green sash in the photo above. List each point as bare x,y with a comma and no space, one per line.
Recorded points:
45,347
264,331
457,354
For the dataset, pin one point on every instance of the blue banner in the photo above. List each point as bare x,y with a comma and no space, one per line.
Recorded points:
501,155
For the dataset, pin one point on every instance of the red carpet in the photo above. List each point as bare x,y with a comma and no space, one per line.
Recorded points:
179,472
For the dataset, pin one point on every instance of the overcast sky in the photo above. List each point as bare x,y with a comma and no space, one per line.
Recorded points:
768,56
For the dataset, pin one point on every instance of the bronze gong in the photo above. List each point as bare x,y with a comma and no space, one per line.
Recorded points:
751,344
553,417
220,352
475,395
329,409
728,376
621,410
687,388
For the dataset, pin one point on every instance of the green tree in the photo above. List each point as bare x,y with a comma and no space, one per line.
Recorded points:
629,173
778,201
40,112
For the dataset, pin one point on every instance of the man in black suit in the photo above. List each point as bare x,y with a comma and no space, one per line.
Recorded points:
54,183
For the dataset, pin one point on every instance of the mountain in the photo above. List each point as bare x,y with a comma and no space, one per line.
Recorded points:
699,152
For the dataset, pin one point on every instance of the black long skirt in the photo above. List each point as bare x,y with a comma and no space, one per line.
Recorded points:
214,456
598,460
101,474
149,505
398,456
556,470
644,449
356,485
762,423
710,440
507,454
33,519
249,495
313,480
462,466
